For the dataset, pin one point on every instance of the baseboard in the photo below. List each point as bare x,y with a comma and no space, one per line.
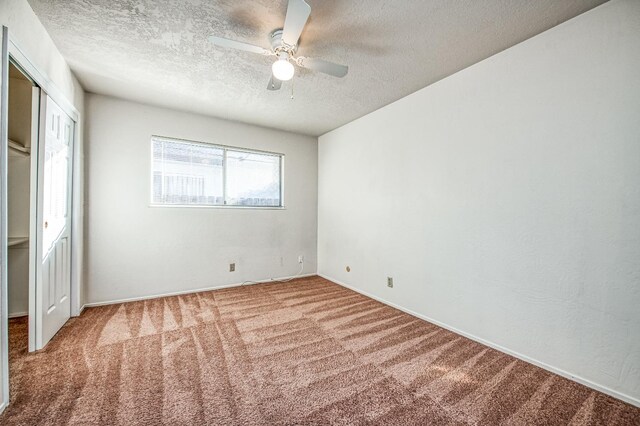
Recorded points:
618,395
3,406
178,293
18,314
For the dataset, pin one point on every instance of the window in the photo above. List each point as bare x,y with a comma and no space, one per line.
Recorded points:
192,173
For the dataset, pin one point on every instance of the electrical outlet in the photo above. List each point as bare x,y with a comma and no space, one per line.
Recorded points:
389,282
232,267
300,259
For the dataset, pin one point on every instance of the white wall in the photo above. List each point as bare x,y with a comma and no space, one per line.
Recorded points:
133,250
27,31
505,200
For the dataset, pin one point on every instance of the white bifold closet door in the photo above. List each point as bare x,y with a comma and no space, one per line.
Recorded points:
53,248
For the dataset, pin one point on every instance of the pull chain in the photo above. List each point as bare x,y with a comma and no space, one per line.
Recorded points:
292,80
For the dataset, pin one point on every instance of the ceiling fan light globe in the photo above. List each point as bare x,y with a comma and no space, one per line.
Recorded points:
283,70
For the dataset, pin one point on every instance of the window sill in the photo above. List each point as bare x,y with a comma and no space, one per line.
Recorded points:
201,206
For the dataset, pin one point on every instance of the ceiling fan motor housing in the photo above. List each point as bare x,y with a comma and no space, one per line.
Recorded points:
278,45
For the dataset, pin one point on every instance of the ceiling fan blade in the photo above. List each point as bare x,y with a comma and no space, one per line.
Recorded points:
297,14
323,66
232,44
274,84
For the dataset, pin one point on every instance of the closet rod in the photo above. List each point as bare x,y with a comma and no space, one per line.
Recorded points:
20,149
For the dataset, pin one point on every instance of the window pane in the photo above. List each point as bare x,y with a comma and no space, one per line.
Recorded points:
253,179
187,173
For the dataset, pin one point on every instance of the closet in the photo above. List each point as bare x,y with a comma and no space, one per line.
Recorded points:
21,130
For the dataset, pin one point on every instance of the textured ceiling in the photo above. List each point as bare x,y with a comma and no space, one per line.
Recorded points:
156,51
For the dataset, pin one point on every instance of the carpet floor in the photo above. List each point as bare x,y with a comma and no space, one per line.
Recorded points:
305,352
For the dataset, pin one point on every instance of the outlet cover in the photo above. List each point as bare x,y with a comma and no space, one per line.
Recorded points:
232,267
390,282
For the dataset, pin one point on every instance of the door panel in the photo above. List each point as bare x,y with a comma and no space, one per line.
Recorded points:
53,279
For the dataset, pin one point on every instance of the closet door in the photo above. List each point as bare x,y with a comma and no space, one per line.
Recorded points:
53,246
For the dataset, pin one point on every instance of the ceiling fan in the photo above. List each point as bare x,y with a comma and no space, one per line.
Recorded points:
284,43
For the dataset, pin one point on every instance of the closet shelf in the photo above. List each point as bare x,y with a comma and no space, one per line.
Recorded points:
19,148
14,241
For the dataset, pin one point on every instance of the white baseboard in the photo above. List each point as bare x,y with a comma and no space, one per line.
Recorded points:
618,395
178,293
3,406
18,314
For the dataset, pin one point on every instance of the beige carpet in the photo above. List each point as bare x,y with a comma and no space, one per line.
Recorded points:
305,352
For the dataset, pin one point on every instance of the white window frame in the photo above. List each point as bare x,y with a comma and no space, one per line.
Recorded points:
225,149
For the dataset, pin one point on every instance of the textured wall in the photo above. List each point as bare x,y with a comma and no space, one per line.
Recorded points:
504,200
133,250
